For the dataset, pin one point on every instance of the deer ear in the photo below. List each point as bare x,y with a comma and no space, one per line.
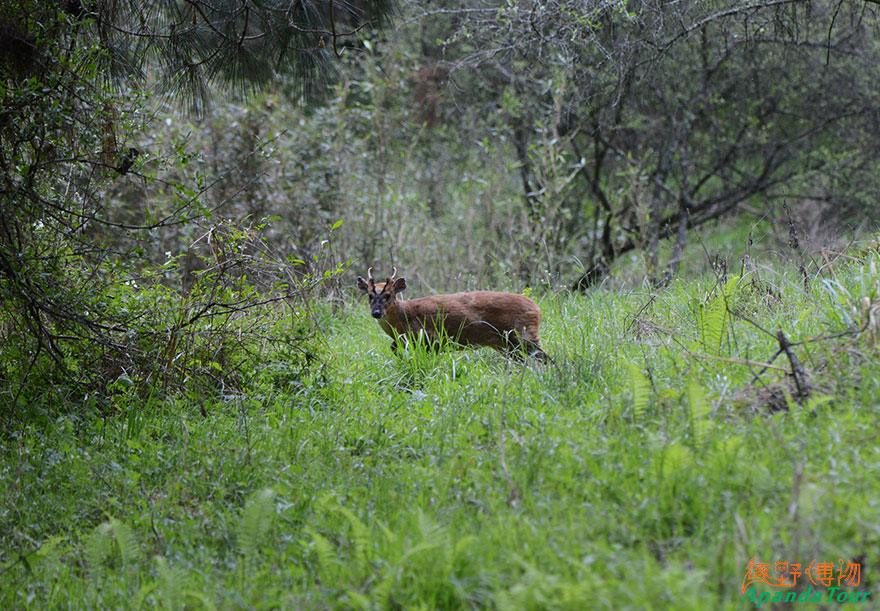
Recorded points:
399,285
362,285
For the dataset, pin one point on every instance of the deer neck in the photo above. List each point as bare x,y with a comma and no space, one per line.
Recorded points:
396,315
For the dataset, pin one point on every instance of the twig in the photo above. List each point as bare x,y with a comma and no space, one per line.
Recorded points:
640,312
797,372
22,558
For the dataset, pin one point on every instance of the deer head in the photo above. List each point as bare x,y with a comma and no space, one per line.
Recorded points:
382,295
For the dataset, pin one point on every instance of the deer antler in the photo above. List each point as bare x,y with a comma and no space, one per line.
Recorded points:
393,274
370,276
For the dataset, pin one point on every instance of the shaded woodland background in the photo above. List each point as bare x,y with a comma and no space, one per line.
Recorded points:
183,182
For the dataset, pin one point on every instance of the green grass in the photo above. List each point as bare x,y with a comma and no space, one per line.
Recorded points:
642,471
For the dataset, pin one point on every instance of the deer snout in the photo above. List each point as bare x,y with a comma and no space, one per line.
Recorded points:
376,313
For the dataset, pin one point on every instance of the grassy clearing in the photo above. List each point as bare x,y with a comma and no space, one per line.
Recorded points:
642,471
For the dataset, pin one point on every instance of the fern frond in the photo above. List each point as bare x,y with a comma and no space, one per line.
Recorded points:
324,551
172,583
433,533
125,540
100,545
639,389
98,548
359,533
256,520
713,318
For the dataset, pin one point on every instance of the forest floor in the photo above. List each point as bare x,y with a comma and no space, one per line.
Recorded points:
666,447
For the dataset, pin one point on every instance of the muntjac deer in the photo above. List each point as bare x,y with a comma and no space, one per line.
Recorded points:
504,321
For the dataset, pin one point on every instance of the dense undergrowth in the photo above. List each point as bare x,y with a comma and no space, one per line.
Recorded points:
665,448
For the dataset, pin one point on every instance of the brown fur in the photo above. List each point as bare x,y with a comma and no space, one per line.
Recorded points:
504,321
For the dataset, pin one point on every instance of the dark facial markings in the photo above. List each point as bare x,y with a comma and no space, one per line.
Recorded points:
378,302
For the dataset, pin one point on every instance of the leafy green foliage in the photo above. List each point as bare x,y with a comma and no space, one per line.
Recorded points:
176,342
459,478
91,310
699,408
256,520
623,127
639,389
110,540
713,315
171,584
188,46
